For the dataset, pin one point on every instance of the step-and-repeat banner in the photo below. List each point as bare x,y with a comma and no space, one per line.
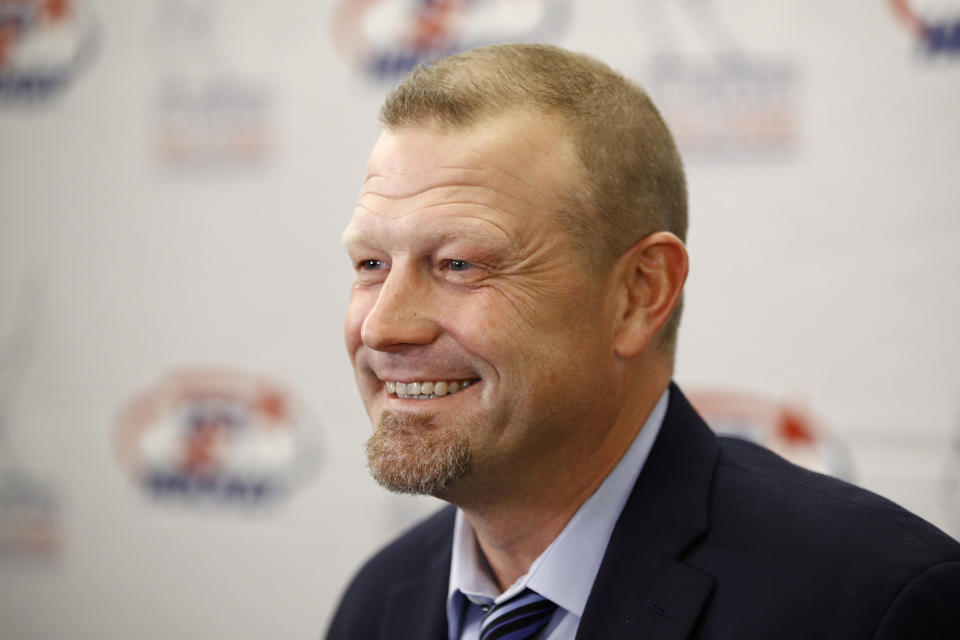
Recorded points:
180,437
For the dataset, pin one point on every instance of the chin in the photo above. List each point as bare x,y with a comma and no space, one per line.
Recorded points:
407,454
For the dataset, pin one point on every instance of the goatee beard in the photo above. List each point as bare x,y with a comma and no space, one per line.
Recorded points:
407,453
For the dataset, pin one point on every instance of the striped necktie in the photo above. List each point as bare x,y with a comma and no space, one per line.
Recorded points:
519,618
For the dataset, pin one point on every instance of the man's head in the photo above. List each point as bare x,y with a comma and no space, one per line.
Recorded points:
504,243
631,181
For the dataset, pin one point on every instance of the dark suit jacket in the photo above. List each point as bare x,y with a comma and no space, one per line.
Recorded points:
719,539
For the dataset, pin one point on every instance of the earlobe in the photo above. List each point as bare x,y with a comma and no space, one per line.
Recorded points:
653,272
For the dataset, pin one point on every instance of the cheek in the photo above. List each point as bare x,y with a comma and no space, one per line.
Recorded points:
484,324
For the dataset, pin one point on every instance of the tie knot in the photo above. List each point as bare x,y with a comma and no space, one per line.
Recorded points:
519,618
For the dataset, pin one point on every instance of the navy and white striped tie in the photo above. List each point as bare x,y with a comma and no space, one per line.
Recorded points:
519,618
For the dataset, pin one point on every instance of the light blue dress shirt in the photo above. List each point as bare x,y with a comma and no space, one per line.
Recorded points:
565,571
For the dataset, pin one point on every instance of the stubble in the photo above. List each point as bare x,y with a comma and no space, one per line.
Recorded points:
408,453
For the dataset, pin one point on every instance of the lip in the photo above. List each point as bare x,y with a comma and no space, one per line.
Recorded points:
406,376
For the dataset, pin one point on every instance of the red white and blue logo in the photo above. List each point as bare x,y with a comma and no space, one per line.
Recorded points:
782,426
43,44
385,39
217,435
935,25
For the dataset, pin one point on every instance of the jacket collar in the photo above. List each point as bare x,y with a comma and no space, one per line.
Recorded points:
416,610
643,588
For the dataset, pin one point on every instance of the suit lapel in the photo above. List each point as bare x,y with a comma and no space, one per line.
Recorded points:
643,588
416,610
645,595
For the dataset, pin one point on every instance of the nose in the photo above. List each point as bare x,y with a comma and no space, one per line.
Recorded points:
401,314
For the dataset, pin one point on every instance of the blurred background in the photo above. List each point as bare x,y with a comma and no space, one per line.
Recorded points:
180,437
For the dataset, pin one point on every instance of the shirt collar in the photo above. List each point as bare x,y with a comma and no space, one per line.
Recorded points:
565,571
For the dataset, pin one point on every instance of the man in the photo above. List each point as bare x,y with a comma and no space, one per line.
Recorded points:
519,257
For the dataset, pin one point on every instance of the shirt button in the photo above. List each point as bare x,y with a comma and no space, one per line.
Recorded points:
485,608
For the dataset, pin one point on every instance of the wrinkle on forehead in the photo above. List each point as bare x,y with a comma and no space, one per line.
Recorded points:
403,213
526,148
398,186
515,167
372,230
404,192
398,171
450,193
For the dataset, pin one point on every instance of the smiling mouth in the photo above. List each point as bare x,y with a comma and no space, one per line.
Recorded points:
426,390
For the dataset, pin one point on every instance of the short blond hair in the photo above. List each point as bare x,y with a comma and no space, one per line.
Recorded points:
633,180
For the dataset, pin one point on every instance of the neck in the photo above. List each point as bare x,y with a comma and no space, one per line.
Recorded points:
514,524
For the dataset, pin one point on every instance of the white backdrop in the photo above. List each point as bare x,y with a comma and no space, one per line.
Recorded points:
177,203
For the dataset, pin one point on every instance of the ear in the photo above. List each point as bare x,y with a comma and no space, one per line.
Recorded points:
652,273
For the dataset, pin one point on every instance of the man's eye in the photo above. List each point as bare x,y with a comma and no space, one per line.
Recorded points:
458,265
371,265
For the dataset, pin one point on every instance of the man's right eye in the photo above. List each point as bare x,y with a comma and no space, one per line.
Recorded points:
371,265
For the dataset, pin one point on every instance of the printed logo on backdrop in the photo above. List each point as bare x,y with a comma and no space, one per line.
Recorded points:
31,532
934,25
208,113
721,101
385,39
216,122
217,436
780,426
44,44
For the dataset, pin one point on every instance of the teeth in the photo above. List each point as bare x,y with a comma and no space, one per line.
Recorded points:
425,390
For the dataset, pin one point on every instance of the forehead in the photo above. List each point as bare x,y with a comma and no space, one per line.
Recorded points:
502,173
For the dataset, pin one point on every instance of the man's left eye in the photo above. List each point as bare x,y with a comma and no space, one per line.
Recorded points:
458,265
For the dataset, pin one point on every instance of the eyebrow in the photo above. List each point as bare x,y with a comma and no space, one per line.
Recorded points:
446,232
351,235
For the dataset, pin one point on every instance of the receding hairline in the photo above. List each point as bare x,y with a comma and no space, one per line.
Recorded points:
593,100
548,158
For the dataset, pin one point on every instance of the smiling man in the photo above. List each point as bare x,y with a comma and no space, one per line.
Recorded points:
519,258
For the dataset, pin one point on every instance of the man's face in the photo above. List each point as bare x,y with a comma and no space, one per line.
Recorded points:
482,345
